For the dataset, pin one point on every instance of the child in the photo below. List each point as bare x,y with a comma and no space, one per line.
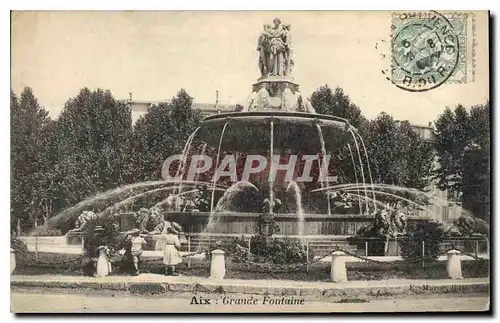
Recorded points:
170,252
136,249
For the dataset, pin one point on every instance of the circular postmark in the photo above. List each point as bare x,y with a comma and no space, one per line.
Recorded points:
425,51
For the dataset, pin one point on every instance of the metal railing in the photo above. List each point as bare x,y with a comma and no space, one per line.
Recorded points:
318,247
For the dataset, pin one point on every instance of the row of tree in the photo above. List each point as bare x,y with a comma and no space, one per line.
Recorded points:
93,146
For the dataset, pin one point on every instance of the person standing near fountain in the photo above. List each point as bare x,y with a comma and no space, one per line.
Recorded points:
103,267
103,264
136,249
171,256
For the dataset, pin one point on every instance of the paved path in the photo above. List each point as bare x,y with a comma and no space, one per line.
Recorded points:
43,302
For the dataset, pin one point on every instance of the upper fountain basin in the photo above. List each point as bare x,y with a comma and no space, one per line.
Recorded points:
281,117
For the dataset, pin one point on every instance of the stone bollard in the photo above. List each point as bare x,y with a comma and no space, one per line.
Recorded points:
12,260
217,265
454,265
338,271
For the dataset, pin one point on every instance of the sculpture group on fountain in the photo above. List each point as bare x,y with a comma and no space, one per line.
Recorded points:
275,51
275,89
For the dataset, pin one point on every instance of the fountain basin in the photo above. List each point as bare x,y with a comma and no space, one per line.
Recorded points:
281,117
245,223
250,131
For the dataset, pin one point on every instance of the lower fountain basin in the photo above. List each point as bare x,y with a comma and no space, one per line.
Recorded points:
246,223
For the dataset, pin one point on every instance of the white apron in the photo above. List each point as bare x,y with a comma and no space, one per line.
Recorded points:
171,255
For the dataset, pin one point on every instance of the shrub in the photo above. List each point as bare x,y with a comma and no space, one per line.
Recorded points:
18,245
432,232
279,251
111,236
235,248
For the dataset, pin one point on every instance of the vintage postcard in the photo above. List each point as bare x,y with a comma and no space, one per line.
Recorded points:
250,161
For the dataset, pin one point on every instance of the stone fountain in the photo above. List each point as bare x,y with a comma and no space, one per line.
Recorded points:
279,124
278,120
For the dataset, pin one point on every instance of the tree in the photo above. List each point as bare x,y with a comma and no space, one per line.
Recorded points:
452,135
462,145
162,132
29,132
397,154
92,138
336,103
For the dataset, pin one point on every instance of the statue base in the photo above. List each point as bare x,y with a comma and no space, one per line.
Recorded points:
278,93
275,85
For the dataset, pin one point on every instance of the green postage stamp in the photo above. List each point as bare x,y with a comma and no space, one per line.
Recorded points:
432,48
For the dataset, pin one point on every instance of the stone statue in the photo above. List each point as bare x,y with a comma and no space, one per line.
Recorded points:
83,219
288,100
147,218
304,104
262,46
288,42
309,107
263,98
274,46
252,102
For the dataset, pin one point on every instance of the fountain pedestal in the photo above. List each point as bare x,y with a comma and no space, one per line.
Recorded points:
278,93
276,87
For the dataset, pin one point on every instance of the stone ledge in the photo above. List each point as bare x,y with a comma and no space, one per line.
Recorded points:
222,287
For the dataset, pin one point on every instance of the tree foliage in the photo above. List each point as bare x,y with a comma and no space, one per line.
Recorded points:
336,103
160,133
93,134
58,163
30,130
397,154
462,144
93,147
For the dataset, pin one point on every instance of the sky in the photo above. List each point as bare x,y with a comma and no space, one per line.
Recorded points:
153,54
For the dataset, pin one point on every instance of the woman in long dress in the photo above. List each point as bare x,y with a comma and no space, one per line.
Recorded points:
103,263
171,255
